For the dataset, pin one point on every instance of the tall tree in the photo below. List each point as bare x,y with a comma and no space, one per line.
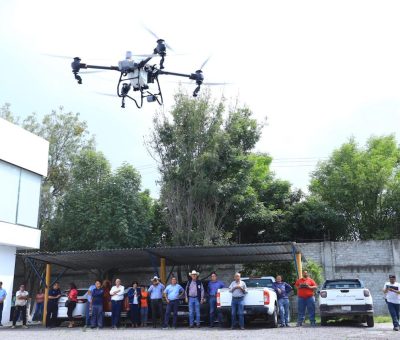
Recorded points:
203,165
101,209
360,184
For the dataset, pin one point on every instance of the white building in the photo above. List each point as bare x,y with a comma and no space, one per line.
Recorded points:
23,163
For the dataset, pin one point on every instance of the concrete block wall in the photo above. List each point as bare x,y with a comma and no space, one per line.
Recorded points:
370,261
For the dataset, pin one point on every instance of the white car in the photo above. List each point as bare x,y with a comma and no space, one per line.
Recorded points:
80,309
260,302
346,298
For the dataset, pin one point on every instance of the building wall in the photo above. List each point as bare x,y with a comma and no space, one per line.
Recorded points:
370,261
23,163
7,264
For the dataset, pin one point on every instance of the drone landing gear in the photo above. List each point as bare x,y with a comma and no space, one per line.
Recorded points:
124,88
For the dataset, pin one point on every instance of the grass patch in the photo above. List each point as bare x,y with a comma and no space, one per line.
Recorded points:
382,318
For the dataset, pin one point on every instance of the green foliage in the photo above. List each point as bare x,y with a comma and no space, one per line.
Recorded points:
315,271
286,269
203,164
101,209
361,185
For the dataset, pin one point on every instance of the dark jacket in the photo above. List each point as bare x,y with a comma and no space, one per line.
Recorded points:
131,294
199,289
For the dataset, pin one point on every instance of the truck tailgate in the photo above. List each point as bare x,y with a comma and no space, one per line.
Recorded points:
254,297
345,297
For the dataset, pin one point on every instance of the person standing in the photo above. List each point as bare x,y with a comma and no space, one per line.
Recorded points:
392,295
238,289
21,298
282,290
134,296
88,304
52,305
107,297
156,293
96,305
194,294
117,297
3,295
172,294
71,304
213,287
144,306
39,299
305,298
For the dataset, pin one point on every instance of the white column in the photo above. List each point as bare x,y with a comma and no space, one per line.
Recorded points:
7,267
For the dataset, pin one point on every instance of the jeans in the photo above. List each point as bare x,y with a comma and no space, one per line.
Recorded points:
38,315
238,309
97,316
302,304
144,312
171,306
18,310
194,308
156,311
134,313
284,313
87,314
214,312
1,311
116,307
394,312
71,307
52,313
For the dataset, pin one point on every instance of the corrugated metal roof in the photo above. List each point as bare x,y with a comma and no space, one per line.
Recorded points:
148,257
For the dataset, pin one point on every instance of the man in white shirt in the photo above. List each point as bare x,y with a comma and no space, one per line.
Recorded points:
21,298
392,295
117,298
238,289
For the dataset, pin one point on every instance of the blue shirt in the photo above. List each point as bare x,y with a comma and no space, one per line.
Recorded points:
173,291
97,296
285,289
3,295
89,296
213,287
54,292
156,291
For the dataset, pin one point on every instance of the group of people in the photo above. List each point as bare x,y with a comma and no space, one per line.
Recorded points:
101,295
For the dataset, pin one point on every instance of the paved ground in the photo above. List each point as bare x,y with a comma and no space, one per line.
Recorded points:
380,331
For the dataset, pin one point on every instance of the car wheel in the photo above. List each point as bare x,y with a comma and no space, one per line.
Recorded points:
370,321
273,319
324,320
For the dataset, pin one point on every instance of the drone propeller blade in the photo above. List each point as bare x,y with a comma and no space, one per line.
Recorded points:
157,37
216,84
107,94
94,71
194,83
58,56
204,63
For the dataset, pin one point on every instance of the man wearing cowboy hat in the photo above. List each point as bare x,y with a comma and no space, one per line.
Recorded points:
156,292
194,294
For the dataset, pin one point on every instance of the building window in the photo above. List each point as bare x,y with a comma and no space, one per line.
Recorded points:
19,195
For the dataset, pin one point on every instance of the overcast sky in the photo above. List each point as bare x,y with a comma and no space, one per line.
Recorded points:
321,71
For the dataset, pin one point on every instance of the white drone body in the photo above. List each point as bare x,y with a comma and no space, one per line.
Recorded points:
138,77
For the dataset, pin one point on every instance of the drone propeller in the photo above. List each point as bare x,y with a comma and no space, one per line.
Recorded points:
156,36
204,63
69,57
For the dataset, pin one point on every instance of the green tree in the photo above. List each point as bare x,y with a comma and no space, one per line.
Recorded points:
203,164
101,209
361,186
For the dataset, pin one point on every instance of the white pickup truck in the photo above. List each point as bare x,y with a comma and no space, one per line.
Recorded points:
346,298
259,303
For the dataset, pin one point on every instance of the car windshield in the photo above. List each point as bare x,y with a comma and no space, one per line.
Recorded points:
254,283
338,284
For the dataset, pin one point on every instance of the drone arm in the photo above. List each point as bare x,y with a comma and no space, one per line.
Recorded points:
115,68
176,74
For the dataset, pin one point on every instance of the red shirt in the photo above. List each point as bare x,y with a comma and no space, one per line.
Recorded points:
305,292
73,295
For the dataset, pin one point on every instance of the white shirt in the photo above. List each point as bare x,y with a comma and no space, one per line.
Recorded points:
21,302
391,296
120,295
